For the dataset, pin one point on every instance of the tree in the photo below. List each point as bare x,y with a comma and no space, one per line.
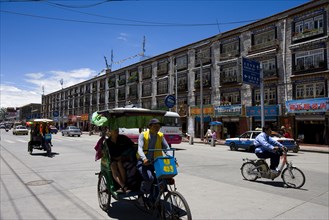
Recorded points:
3,113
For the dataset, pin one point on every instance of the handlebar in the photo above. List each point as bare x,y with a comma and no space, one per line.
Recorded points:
282,149
151,162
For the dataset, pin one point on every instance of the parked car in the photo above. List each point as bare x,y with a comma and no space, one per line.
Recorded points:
20,129
246,141
53,129
71,131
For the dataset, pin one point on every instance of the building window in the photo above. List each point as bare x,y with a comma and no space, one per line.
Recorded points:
147,72
309,59
147,103
310,90
160,103
206,98
111,95
270,96
230,98
147,89
122,79
229,74
101,98
94,87
206,78
203,55
133,92
133,76
162,86
308,27
111,82
181,62
162,67
182,82
264,39
122,94
230,49
269,68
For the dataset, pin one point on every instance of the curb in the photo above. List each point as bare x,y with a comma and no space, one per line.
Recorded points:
324,149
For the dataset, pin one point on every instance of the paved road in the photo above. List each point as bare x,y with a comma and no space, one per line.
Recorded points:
64,186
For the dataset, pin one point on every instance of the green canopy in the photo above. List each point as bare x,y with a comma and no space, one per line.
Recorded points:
126,117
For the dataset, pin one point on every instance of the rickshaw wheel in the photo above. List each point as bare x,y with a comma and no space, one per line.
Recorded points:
104,197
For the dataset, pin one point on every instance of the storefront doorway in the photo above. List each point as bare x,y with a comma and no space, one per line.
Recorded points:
313,131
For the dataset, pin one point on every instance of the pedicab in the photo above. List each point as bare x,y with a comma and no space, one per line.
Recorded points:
40,136
167,203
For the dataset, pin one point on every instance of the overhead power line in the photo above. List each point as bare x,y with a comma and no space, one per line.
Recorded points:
127,24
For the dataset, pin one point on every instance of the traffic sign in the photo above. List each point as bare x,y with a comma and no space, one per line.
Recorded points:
250,72
170,101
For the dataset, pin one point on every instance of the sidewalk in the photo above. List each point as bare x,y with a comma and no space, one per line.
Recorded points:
303,147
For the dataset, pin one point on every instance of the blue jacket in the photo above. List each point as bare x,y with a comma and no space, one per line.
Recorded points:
263,142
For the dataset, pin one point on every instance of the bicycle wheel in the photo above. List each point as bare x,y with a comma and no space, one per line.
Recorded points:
175,207
293,177
104,197
249,171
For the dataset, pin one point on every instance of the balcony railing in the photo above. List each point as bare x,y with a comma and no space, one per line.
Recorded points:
205,83
268,44
306,33
230,79
229,54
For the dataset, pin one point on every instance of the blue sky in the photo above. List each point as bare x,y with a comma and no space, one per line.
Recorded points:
45,41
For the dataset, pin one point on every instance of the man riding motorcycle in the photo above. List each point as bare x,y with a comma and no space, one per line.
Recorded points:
267,147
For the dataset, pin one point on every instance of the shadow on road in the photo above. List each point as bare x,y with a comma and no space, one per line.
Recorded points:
45,154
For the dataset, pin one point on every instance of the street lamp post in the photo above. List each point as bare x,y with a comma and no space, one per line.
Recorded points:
176,90
201,97
201,84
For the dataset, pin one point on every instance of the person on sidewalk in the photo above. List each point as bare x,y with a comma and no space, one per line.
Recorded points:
267,147
207,136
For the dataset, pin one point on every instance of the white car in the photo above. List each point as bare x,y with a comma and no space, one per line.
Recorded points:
20,129
71,131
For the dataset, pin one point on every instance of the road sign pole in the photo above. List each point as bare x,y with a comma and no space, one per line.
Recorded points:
262,97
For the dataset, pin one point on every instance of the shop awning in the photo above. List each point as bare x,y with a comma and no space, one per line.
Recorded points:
310,117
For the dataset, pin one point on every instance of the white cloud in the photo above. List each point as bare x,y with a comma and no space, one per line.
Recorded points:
123,36
15,95
34,75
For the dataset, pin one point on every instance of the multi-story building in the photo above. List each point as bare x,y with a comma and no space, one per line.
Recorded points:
29,111
292,47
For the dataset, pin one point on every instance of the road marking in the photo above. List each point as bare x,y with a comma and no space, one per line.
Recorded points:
22,141
10,142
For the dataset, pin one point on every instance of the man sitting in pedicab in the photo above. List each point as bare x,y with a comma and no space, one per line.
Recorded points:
36,135
121,150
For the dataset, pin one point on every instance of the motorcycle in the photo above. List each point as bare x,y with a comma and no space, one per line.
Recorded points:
292,176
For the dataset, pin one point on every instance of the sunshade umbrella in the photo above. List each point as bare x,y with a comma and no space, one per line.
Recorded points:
215,123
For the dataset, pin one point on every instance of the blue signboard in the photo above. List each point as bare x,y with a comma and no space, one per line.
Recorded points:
170,101
269,110
308,105
250,72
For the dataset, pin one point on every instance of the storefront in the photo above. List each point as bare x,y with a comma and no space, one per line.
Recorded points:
271,114
208,113
85,122
311,119
233,120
